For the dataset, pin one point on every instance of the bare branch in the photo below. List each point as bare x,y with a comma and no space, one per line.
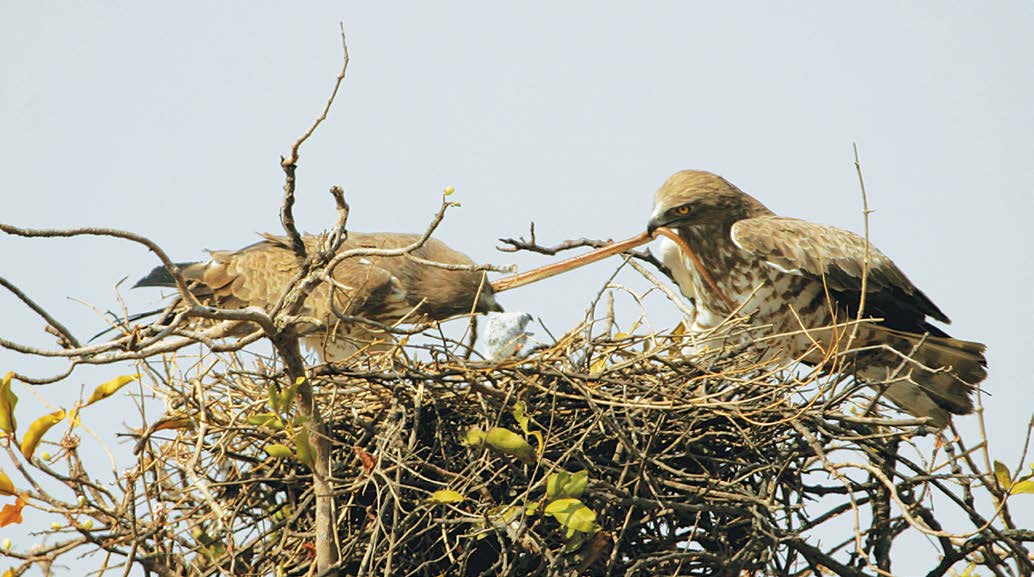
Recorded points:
51,321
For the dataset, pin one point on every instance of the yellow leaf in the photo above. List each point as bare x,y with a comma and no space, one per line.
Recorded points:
8,573
562,485
1002,475
573,515
73,417
268,420
599,365
6,486
449,190
473,437
509,443
109,388
620,336
679,330
278,451
7,402
36,431
302,448
520,415
446,496
503,515
541,442
1025,486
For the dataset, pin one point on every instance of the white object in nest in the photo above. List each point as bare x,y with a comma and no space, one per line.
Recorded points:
504,334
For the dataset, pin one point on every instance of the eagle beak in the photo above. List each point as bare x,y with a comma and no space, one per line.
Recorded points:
534,275
657,220
653,225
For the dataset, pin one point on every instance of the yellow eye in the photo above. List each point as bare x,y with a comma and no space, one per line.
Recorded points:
682,210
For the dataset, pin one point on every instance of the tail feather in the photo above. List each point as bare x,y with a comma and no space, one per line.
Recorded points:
940,382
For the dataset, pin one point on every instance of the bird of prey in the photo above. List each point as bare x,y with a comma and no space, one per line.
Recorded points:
802,283
384,289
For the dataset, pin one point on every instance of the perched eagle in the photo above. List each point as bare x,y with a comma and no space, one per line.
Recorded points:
797,278
387,290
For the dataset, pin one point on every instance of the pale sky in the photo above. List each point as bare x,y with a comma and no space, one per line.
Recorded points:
169,121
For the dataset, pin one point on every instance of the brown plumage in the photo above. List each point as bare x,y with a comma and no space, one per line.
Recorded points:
791,275
382,289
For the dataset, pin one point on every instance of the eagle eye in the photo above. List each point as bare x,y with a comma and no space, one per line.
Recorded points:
682,210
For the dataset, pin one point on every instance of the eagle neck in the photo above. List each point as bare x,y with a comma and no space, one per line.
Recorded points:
713,246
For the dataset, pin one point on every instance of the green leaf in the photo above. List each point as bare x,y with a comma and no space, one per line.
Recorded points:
267,420
562,485
302,447
509,443
273,396
573,515
1024,486
1002,475
446,496
473,437
7,402
278,451
287,399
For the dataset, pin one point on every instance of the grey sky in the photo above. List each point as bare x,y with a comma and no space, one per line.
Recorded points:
169,122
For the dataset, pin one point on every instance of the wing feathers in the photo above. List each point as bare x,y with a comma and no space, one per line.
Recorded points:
820,251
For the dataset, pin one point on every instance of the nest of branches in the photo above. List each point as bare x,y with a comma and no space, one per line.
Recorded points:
602,454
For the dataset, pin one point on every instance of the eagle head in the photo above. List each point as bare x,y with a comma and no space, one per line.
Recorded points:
694,197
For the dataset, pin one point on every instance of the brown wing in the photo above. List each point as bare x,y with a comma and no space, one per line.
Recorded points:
439,293
825,252
380,288
257,275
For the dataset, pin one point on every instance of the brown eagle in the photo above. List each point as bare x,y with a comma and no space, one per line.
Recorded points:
385,289
798,279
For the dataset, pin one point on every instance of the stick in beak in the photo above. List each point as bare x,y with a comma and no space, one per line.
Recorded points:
556,268
681,242
544,272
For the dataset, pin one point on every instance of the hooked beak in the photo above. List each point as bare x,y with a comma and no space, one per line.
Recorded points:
657,220
653,225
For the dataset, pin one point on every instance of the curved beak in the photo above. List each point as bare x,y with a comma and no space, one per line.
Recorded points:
655,222
658,219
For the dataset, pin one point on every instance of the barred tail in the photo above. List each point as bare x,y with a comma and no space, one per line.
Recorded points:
941,380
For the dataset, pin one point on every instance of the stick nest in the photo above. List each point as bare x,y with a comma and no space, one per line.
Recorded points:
607,454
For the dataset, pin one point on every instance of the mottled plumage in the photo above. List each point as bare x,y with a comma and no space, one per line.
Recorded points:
791,275
382,289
